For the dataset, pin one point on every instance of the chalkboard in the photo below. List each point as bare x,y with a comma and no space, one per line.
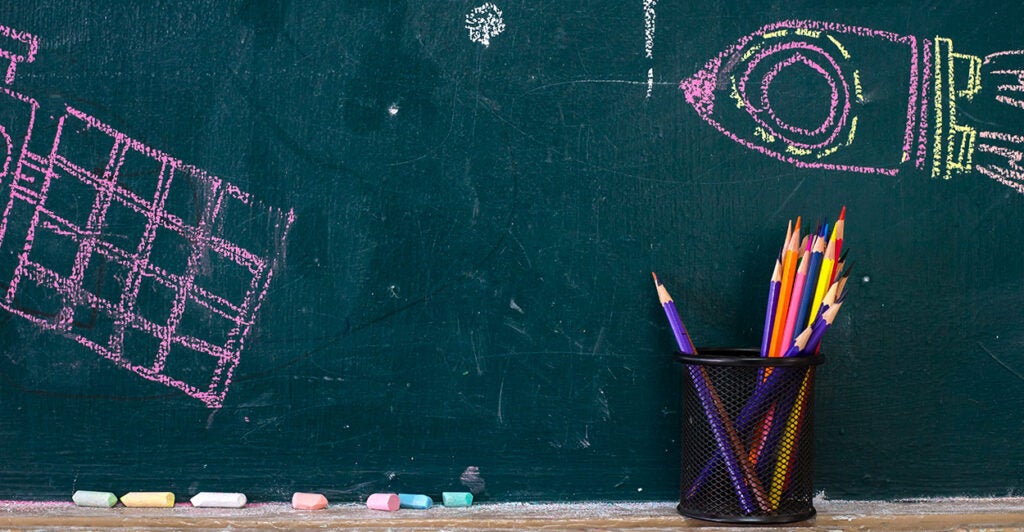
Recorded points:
352,247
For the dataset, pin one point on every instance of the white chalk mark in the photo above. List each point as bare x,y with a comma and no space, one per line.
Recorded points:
649,28
393,109
649,17
484,23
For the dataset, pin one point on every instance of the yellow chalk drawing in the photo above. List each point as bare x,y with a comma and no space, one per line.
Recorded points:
829,151
953,143
767,137
857,89
853,131
797,151
814,34
735,93
842,50
750,51
776,34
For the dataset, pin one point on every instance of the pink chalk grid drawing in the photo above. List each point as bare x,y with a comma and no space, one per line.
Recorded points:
126,250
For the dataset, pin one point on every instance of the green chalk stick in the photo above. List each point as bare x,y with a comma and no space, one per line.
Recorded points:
99,499
457,498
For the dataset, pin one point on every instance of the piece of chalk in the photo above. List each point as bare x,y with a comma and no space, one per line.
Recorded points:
212,499
457,498
383,501
415,501
148,499
99,499
308,501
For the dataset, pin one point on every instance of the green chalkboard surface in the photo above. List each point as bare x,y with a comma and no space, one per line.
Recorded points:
352,247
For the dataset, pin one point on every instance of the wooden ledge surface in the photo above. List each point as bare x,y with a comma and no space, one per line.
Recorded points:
930,514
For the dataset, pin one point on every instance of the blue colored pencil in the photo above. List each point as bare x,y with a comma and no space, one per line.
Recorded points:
813,268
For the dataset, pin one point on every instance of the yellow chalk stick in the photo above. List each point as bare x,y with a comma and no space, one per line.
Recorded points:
148,499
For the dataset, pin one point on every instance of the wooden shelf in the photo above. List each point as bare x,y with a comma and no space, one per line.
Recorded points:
933,514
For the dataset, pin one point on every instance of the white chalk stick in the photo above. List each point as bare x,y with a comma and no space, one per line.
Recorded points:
212,499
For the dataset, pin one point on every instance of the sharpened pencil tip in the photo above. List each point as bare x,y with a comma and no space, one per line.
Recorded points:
842,213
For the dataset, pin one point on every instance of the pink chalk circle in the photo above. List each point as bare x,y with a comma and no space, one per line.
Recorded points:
387,502
779,57
308,501
814,67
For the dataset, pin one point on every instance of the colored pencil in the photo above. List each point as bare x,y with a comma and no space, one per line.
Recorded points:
678,329
824,278
748,414
785,290
749,491
820,327
769,313
794,302
838,230
784,464
810,280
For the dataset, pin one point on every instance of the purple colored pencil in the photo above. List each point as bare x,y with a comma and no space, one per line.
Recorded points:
820,326
748,414
721,428
769,313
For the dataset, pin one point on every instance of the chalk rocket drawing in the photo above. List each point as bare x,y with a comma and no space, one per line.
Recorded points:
739,93
126,249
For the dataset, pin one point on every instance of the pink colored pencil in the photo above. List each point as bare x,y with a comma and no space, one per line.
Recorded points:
794,303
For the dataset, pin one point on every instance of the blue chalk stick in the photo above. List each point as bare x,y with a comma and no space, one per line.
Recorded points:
416,501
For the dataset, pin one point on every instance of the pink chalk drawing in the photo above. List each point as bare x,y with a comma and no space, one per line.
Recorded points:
125,249
738,93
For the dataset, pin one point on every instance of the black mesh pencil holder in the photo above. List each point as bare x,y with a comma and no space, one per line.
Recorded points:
747,437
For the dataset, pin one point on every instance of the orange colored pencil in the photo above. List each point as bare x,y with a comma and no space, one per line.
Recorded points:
785,290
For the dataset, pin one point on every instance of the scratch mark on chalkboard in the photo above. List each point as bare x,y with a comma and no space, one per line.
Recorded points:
476,353
782,205
501,394
184,296
598,81
1000,362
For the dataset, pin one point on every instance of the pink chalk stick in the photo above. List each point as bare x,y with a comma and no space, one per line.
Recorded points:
308,501
383,501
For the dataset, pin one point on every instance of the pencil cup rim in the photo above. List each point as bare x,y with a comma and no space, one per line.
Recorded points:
744,357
